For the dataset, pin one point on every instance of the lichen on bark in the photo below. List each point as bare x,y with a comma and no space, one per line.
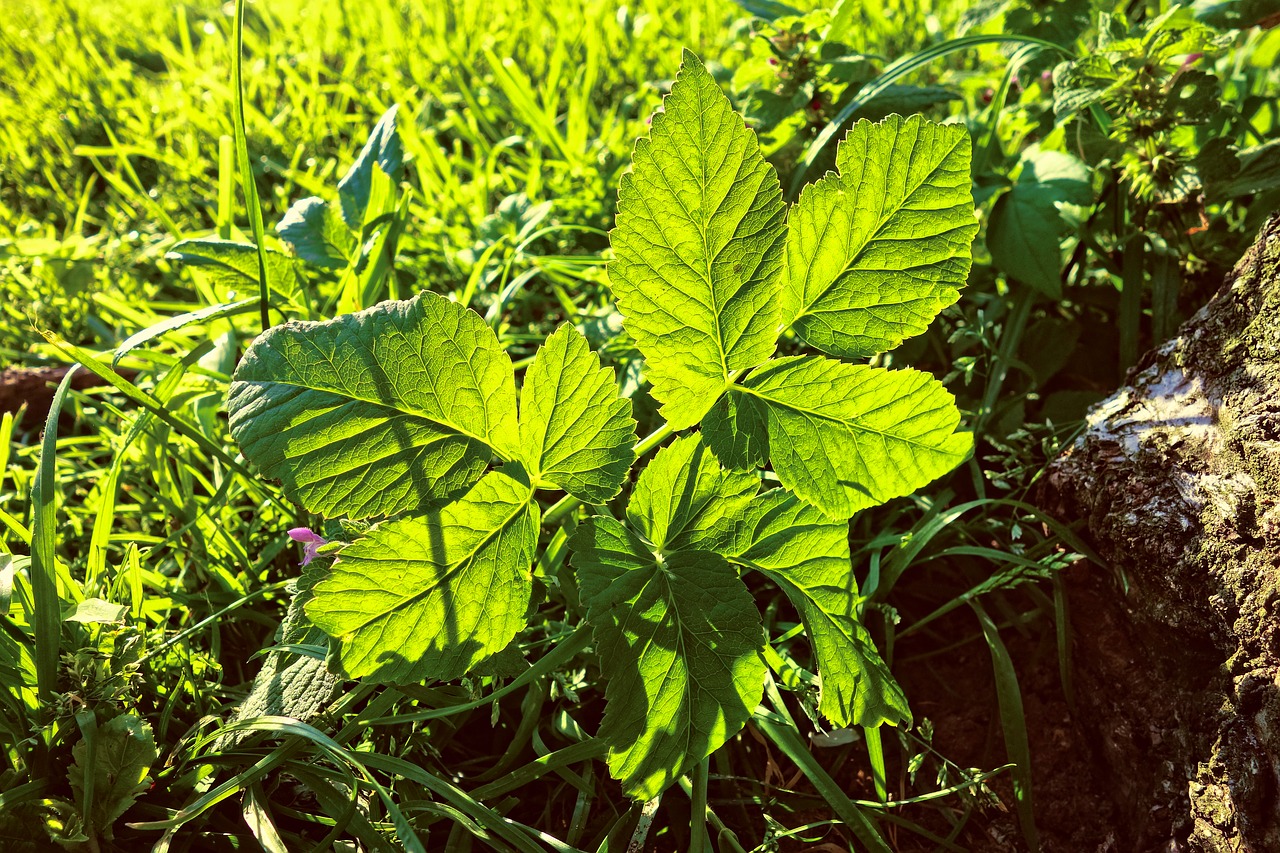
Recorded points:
1177,484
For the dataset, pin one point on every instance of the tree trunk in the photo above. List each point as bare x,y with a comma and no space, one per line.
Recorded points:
1177,649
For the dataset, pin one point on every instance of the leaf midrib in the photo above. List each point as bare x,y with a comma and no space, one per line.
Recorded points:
449,573
382,405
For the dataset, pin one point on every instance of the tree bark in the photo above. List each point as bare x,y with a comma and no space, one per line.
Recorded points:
1177,649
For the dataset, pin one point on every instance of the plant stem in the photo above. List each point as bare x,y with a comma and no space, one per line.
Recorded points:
699,842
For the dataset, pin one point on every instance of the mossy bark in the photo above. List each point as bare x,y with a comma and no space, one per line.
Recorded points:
1177,648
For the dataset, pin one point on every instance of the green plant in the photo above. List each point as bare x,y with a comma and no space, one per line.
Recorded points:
405,415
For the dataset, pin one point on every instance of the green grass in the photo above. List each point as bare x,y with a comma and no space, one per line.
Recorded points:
117,123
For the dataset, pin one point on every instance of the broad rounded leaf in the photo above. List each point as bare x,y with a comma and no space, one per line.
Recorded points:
1026,228
576,431
807,555
875,251
680,642
315,230
379,412
846,437
430,596
698,245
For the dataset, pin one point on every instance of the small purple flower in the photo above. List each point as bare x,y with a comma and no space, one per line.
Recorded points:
310,540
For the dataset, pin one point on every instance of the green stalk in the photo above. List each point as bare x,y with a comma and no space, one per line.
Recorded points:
246,170
699,841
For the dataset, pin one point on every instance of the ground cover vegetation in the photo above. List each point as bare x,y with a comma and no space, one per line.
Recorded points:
460,472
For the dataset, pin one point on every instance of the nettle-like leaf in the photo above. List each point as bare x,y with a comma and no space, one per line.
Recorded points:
676,630
399,411
576,433
429,596
113,771
376,413
698,242
877,250
872,254
807,555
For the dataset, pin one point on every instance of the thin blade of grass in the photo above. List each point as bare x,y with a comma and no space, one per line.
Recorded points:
47,619
788,740
252,204
888,77
1014,724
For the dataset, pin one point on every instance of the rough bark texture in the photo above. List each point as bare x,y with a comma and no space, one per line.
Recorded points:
1177,481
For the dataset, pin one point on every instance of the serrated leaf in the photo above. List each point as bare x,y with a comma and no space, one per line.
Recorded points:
315,230
737,431
698,245
576,432
385,150
875,251
233,268
683,497
846,437
429,596
807,555
124,750
379,412
679,640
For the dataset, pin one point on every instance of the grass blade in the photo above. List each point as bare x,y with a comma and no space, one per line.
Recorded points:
254,207
1014,723
786,739
888,77
47,619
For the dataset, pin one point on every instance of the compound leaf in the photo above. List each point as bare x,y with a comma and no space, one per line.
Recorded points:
429,596
807,555
683,499
376,413
576,431
698,246
679,639
846,437
875,251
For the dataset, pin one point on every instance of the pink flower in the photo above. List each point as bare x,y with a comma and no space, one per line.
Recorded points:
310,540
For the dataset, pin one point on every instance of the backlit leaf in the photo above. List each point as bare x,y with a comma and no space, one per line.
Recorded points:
576,432
846,437
698,245
375,413
683,497
807,555
429,596
876,250
679,639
